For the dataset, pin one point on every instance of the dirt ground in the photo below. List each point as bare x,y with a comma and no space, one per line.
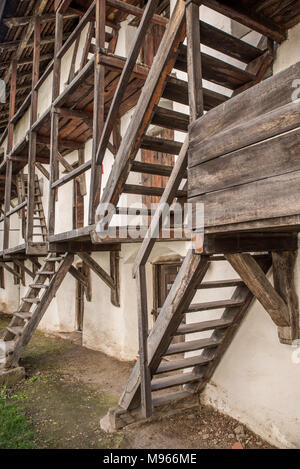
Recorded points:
69,388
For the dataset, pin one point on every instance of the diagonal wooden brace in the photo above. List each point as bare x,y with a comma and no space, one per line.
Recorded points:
258,283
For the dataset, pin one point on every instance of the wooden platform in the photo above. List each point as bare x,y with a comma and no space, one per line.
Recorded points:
244,160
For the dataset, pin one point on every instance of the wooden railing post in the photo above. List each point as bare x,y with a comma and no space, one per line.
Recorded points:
99,90
54,169
7,197
146,398
194,64
32,135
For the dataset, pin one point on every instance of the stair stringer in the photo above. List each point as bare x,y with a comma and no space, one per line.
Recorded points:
180,297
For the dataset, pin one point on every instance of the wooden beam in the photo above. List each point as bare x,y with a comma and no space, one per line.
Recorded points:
99,104
33,135
76,115
250,242
236,12
78,275
97,269
115,275
136,11
17,21
194,63
83,246
54,169
25,61
72,174
284,264
7,197
145,375
255,279
26,35
10,270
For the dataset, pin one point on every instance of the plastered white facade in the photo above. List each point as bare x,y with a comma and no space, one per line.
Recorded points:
256,382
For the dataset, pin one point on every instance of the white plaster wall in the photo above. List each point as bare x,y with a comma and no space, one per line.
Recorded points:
257,381
9,296
114,330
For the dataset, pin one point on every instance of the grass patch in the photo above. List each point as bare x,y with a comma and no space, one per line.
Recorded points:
15,431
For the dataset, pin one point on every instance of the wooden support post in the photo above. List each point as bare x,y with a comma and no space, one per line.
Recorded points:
97,269
32,135
146,397
7,197
99,89
194,64
115,275
55,123
284,283
257,282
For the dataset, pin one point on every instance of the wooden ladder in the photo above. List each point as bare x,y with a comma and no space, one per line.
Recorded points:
32,308
40,226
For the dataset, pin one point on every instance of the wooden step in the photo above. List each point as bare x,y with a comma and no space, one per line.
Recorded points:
177,90
170,119
214,305
25,316
45,272
191,345
216,71
54,259
203,326
150,168
38,285
221,284
144,190
223,42
169,397
176,380
33,301
161,144
175,365
16,330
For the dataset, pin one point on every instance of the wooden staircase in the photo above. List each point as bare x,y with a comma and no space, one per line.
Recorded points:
32,308
160,84
157,379
39,219
175,380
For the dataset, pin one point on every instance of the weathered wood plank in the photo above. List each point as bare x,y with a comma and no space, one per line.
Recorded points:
145,376
275,157
246,17
194,62
259,285
259,200
268,95
284,264
273,123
